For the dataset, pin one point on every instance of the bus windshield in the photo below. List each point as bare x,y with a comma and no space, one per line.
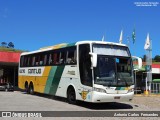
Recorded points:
113,71
113,68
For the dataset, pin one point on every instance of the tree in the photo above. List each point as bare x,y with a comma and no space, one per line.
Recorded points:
3,44
10,45
157,58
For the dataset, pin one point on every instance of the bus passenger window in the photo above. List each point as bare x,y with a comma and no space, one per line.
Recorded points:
45,59
36,60
50,59
71,56
62,58
41,60
28,62
33,60
22,61
25,61
55,58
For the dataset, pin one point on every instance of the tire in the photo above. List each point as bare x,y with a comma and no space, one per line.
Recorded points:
26,88
71,96
31,89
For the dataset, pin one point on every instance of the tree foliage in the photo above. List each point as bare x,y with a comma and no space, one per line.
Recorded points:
10,45
3,44
156,58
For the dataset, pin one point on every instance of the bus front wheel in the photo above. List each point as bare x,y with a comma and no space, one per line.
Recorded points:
71,96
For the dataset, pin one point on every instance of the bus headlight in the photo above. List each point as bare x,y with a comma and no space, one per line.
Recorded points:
131,90
99,90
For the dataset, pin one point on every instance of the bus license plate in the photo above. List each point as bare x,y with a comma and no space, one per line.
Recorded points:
117,97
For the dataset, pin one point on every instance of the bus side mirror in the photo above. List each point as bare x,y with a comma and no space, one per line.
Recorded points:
138,63
93,59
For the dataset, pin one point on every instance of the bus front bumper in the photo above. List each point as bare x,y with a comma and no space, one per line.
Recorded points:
98,97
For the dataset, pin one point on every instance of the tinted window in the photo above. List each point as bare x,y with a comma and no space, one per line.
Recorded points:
85,65
54,57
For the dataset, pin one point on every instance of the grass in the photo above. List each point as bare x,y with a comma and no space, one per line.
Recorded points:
11,49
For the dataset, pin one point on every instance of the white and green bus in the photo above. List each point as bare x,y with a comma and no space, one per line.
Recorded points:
91,71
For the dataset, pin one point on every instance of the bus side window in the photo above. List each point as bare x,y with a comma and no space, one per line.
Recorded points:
36,60
45,59
71,56
28,61
41,60
22,61
50,59
33,60
62,57
56,58
25,59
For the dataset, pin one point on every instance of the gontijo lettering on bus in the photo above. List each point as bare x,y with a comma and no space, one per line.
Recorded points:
36,71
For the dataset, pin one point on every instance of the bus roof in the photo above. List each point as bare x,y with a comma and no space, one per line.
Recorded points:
100,42
63,45
58,46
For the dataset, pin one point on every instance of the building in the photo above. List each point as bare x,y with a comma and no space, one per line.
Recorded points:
140,81
9,67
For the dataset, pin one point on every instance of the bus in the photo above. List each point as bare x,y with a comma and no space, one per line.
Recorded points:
90,71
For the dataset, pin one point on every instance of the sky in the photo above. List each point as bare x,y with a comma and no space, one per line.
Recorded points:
33,24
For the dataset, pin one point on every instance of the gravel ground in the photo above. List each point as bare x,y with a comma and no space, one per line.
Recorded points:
147,103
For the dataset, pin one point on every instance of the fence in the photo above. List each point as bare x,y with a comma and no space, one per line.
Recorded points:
155,88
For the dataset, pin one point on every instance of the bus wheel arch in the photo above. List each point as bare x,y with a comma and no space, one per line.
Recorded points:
26,87
71,95
31,88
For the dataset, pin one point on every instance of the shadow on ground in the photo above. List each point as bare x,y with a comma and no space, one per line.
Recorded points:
93,106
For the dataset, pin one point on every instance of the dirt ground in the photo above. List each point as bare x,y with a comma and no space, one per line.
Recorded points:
148,102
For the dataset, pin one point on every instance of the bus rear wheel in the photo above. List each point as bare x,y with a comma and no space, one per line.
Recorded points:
31,89
26,88
71,96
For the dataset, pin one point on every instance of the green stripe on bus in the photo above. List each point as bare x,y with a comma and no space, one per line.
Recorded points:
50,79
54,80
71,44
68,45
120,88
